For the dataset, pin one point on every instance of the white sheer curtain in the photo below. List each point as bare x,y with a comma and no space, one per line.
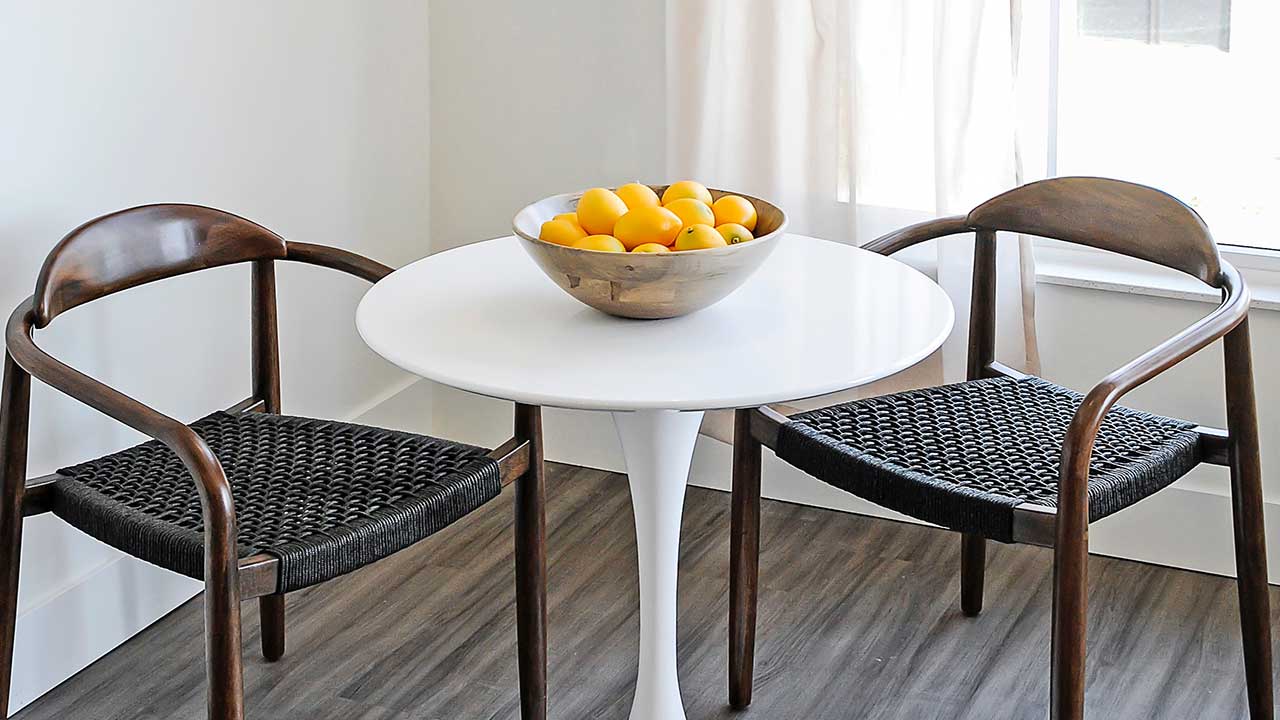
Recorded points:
858,116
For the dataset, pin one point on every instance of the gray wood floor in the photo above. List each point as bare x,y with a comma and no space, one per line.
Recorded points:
859,619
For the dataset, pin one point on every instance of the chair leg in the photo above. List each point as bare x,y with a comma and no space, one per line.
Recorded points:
271,614
744,560
531,569
10,536
1070,621
224,665
223,661
13,466
973,566
1247,517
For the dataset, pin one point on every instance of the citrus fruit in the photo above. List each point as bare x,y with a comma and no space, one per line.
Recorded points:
648,224
598,210
686,189
571,218
733,233
699,237
603,243
651,248
637,195
735,209
691,212
560,232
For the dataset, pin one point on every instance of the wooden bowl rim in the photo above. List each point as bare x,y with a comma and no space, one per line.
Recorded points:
659,189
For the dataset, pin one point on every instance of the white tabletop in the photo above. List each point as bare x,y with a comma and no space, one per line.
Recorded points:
818,317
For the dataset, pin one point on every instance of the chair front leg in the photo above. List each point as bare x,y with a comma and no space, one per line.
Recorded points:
224,663
13,470
1070,593
531,568
1247,516
1070,625
744,560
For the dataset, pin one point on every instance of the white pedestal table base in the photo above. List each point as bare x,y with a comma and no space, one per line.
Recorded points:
658,448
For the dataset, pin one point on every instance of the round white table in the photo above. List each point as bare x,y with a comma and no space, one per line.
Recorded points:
818,317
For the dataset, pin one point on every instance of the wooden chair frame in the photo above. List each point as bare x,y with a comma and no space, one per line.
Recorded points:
91,263
1111,215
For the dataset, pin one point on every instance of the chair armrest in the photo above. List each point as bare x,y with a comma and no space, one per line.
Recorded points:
337,259
211,481
916,234
1077,446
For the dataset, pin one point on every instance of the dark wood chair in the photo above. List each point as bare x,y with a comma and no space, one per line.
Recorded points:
1014,458
255,503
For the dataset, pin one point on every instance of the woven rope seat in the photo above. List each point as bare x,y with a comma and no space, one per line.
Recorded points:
324,497
963,456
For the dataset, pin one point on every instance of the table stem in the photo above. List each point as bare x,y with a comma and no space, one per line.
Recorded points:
658,447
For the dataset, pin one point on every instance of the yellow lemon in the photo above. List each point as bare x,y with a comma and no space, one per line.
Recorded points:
637,195
733,233
699,237
598,210
571,218
686,189
735,209
651,248
603,243
692,212
649,224
560,232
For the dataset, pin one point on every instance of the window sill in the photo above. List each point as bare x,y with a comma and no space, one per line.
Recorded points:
1072,266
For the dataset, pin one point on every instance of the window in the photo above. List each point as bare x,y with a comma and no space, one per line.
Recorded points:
1177,94
1189,22
1181,95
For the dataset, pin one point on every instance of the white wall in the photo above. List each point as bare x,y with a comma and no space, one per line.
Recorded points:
529,99
532,98
309,117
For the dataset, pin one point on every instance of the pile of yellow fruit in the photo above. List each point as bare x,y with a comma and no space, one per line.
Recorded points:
633,219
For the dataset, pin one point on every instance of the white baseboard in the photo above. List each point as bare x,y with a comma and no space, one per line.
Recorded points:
1186,526
90,616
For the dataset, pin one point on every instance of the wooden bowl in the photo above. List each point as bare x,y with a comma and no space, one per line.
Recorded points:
647,285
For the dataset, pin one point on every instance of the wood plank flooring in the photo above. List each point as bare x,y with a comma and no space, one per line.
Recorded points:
859,618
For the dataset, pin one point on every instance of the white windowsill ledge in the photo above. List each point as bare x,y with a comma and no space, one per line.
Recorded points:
1061,264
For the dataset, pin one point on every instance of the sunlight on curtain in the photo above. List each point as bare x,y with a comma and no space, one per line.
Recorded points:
857,116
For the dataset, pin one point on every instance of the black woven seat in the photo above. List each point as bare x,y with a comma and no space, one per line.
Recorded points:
964,455
325,497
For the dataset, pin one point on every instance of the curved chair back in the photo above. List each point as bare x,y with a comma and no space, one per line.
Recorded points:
1122,217
136,246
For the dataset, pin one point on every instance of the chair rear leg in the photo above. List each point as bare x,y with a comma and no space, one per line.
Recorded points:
1247,518
531,569
973,566
13,471
271,614
744,560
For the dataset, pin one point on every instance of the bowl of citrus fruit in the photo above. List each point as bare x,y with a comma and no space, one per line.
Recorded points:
650,251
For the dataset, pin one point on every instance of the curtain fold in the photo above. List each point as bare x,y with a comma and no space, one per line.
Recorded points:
857,116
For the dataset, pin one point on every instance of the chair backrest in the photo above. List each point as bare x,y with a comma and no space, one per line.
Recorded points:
1122,217
1114,215
140,245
